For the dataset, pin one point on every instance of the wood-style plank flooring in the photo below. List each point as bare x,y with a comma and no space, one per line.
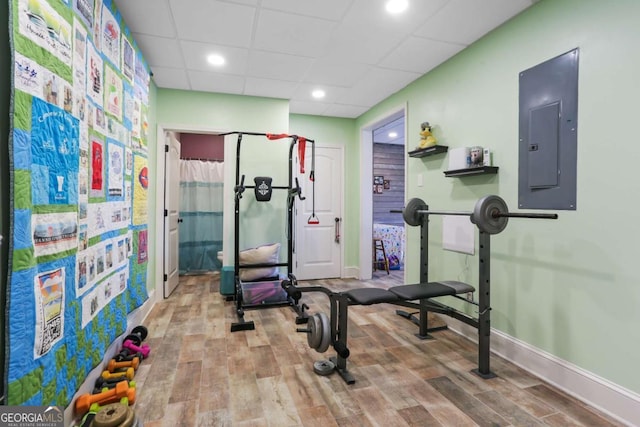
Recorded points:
201,374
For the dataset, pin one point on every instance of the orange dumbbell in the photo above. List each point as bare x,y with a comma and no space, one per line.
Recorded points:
84,402
129,373
113,364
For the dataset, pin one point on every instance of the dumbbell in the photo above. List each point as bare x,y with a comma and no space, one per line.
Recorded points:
128,355
129,373
144,349
137,335
102,385
113,364
84,402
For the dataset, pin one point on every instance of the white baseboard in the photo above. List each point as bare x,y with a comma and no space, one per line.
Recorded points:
602,394
350,272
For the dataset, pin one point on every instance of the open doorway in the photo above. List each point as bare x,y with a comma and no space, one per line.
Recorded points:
388,157
366,263
191,185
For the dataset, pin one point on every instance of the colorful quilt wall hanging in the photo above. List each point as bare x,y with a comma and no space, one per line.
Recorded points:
79,183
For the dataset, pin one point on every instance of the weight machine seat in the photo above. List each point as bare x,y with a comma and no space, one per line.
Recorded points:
368,296
431,290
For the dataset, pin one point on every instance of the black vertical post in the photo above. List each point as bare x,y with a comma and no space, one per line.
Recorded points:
424,275
290,202
236,235
484,306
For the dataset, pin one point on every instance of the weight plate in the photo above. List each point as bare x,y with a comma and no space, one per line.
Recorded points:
143,331
484,211
411,213
314,335
325,333
323,367
111,415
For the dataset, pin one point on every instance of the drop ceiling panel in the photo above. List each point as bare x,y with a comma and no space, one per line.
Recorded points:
465,21
340,110
303,93
307,107
214,21
157,22
278,66
292,34
420,55
335,73
160,51
172,78
212,82
332,10
377,85
195,57
269,88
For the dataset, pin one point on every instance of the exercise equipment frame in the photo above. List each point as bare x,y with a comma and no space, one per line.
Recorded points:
340,301
293,191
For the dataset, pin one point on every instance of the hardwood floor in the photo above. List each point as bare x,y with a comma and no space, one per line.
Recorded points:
201,374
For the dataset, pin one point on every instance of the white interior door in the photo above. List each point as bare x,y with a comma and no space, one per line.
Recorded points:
171,215
318,247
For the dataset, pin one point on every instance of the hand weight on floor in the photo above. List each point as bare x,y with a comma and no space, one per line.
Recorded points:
137,335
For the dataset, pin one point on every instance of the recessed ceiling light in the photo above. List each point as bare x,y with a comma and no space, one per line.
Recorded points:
318,93
393,134
397,6
215,59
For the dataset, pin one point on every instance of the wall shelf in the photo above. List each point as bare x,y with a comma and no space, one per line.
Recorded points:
423,152
481,170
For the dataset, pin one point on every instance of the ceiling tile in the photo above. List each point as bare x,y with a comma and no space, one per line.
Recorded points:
278,66
213,22
367,16
328,72
420,55
292,34
213,82
159,51
195,57
465,21
377,85
326,9
157,17
269,88
305,107
171,78
349,111
303,92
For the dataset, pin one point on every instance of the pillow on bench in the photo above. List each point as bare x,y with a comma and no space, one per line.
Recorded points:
265,254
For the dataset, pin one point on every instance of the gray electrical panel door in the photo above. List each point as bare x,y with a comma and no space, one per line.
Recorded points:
548,131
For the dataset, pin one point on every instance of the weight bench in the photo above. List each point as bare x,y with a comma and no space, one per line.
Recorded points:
416,296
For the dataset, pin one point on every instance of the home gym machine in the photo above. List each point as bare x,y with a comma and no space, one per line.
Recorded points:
268,290
490,216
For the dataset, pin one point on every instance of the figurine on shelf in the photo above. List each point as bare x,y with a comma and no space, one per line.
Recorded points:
426,138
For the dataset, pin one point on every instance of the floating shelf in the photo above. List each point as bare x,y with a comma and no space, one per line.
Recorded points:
482,170
429,151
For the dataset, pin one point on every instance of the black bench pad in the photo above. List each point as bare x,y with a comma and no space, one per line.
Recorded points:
368,296
431,290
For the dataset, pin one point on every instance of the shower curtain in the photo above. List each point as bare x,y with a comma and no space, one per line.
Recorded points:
201,203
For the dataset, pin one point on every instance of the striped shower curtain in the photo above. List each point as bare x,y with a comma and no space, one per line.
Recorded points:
201,203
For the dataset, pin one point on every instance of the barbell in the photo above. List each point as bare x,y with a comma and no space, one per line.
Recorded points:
490,213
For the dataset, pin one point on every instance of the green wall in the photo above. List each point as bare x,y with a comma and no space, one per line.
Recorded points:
570,286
